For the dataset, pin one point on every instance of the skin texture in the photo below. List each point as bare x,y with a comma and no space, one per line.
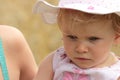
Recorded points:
92,46
19,58
45,71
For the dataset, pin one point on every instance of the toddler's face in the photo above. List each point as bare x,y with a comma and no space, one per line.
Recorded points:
89,45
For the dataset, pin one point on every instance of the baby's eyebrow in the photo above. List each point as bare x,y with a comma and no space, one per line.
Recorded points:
72,35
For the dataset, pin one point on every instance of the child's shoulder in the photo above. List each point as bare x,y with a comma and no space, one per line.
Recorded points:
59,54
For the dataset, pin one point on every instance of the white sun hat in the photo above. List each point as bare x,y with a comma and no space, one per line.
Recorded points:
49,12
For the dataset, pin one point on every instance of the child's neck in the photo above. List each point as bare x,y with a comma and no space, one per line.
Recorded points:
112,59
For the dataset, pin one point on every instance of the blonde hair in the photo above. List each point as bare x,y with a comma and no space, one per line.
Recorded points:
74,17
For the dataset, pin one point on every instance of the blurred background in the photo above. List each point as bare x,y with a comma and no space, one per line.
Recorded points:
41,37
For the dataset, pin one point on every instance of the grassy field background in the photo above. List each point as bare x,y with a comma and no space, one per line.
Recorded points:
42,38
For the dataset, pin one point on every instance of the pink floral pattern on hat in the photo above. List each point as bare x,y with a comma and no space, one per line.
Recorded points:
50,11
91,7
109,4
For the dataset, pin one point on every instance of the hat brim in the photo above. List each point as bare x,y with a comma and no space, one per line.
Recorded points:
49,12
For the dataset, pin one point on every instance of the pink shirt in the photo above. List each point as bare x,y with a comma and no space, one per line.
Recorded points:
64,69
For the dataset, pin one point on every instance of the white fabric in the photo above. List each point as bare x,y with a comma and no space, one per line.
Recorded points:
64,69
50,12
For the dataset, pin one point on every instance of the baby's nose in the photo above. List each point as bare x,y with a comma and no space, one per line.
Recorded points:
81,48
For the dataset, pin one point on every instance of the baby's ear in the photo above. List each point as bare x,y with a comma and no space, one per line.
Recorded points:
117,39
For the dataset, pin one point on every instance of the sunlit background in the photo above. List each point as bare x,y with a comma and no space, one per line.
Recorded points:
41,37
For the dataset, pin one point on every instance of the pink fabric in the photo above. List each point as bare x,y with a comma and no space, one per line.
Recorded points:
69,76
83,77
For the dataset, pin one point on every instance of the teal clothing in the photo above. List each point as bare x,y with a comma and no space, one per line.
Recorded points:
3,63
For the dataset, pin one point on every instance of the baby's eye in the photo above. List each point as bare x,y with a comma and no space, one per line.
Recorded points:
93,38
72,37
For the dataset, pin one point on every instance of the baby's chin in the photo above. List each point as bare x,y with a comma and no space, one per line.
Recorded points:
86,66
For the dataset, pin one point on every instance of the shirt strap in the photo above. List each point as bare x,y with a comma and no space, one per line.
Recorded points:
3,62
